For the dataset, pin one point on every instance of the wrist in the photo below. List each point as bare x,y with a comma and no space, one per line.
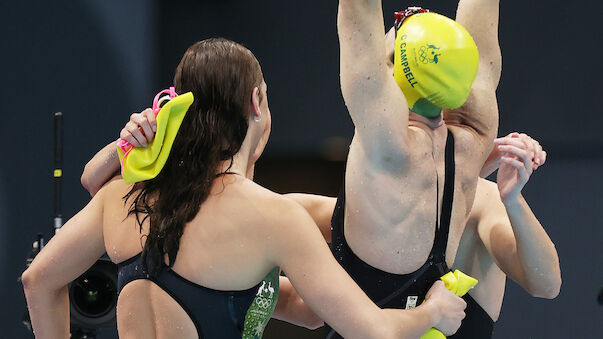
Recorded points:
513,203
434,315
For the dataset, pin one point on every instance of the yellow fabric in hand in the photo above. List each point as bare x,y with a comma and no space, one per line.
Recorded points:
458,283
144,163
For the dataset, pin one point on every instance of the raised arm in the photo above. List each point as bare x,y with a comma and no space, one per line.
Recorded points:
302,253
104,166
508,228
374,100
100,169
480,111
66,256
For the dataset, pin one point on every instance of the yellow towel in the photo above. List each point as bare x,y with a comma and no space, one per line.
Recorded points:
458,283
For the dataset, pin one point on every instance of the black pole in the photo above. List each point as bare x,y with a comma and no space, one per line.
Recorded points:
58,169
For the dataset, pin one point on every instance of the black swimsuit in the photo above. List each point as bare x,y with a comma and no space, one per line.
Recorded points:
215,314
390,290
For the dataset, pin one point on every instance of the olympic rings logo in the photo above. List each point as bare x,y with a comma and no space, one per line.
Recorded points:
263,302
428,54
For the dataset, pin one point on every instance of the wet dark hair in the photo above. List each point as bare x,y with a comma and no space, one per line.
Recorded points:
221,74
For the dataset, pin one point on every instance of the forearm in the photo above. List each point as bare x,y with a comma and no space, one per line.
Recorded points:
49,310
101,168
491,164
352,314
535,251
291,308
414,322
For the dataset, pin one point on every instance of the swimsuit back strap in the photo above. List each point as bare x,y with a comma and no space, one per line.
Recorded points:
442,230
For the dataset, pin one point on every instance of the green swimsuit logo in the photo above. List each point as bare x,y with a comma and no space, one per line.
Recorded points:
262,307
428,54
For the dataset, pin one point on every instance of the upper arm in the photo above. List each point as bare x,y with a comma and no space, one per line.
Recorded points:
300,250
70,252
480,18
480,111
374,100
320,209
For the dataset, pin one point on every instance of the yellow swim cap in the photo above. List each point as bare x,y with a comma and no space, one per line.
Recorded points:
435,61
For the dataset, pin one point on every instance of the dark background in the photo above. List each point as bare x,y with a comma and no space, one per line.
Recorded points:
97,61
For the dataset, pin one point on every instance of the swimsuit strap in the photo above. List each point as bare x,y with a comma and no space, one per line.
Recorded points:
443,226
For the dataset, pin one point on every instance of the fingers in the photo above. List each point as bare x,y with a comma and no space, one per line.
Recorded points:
150,115
539,154
524,156
519,166
510,141
141,128
143,122
530,145
518,149
433,288
133,129
127,136
519,152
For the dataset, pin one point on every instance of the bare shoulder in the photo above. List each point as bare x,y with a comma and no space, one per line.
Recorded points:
486,189
275,209
486,194
487,207
114,190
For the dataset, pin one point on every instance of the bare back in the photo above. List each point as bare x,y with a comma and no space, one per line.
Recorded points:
395,163
396,212
218,250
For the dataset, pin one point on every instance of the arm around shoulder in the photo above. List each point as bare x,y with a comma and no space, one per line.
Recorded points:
300,250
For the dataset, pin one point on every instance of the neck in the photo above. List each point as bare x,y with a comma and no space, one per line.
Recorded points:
239,165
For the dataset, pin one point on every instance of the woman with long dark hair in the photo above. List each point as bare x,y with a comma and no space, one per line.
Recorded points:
199,246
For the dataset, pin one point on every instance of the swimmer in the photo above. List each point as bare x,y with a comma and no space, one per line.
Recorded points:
502,237
411,178
199,244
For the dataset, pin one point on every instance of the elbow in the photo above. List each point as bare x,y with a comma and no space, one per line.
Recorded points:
87,183
310,319
550,291
30,279
554,289
314,324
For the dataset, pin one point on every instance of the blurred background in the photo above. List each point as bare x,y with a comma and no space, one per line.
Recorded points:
97,61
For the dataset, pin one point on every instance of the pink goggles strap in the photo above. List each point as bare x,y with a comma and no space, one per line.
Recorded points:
157,104
126,146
